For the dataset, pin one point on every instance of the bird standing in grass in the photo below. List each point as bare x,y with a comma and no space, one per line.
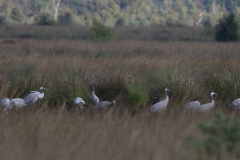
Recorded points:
207,106
79,103
17,103
105,104
94,99
192,105
235,104
162,104
33,96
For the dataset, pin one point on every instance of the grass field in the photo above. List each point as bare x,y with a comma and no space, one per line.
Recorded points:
134,74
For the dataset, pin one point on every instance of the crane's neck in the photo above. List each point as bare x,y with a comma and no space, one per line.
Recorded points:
166,94
93,88
167,98
41,95
212,100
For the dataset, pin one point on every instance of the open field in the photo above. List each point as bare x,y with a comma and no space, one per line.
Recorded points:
52,129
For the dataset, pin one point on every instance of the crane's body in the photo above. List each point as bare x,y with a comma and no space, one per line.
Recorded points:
79,103
104,104
235,104
33,96
94,99
17,103
162,104
5,103
192,105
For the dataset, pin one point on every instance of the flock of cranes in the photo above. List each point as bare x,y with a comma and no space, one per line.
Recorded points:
33,96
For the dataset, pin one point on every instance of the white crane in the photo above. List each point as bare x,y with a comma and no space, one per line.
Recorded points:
105,104
79,103
197,106
5,103
207,106
162,104
235,104
192,105
94,99
17,103
33,96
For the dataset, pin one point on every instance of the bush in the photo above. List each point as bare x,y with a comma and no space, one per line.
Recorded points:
137,96
17,15
66,18
2,19
221,138
227,29
99,32
45,19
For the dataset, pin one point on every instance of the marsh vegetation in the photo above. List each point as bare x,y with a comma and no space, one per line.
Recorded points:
132,72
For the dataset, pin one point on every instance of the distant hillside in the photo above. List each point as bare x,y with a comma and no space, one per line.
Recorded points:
117,12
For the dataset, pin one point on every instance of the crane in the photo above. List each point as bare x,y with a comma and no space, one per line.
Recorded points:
79,103
162,104
33,96
104,104
94,99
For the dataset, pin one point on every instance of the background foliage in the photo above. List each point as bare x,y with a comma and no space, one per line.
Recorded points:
122,12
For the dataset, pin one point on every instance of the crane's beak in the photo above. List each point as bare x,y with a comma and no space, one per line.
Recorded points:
45,88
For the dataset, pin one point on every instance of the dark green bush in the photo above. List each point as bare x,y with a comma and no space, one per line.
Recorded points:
137,96
66,18
227,30
221,137
17,15
100,32
45,19
2,19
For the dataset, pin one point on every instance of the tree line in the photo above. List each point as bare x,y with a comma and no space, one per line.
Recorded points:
117,12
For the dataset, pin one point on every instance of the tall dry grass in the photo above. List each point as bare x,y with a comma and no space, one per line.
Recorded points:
67,67
47,130
114,134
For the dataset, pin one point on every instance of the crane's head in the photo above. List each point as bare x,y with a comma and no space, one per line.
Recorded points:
93,84
167,90
82,101
42,88
213,93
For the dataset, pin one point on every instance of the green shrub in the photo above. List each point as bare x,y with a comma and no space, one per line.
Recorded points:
227,29
66,18
137,96
45,19
100,32
2,19
17,15
221,137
